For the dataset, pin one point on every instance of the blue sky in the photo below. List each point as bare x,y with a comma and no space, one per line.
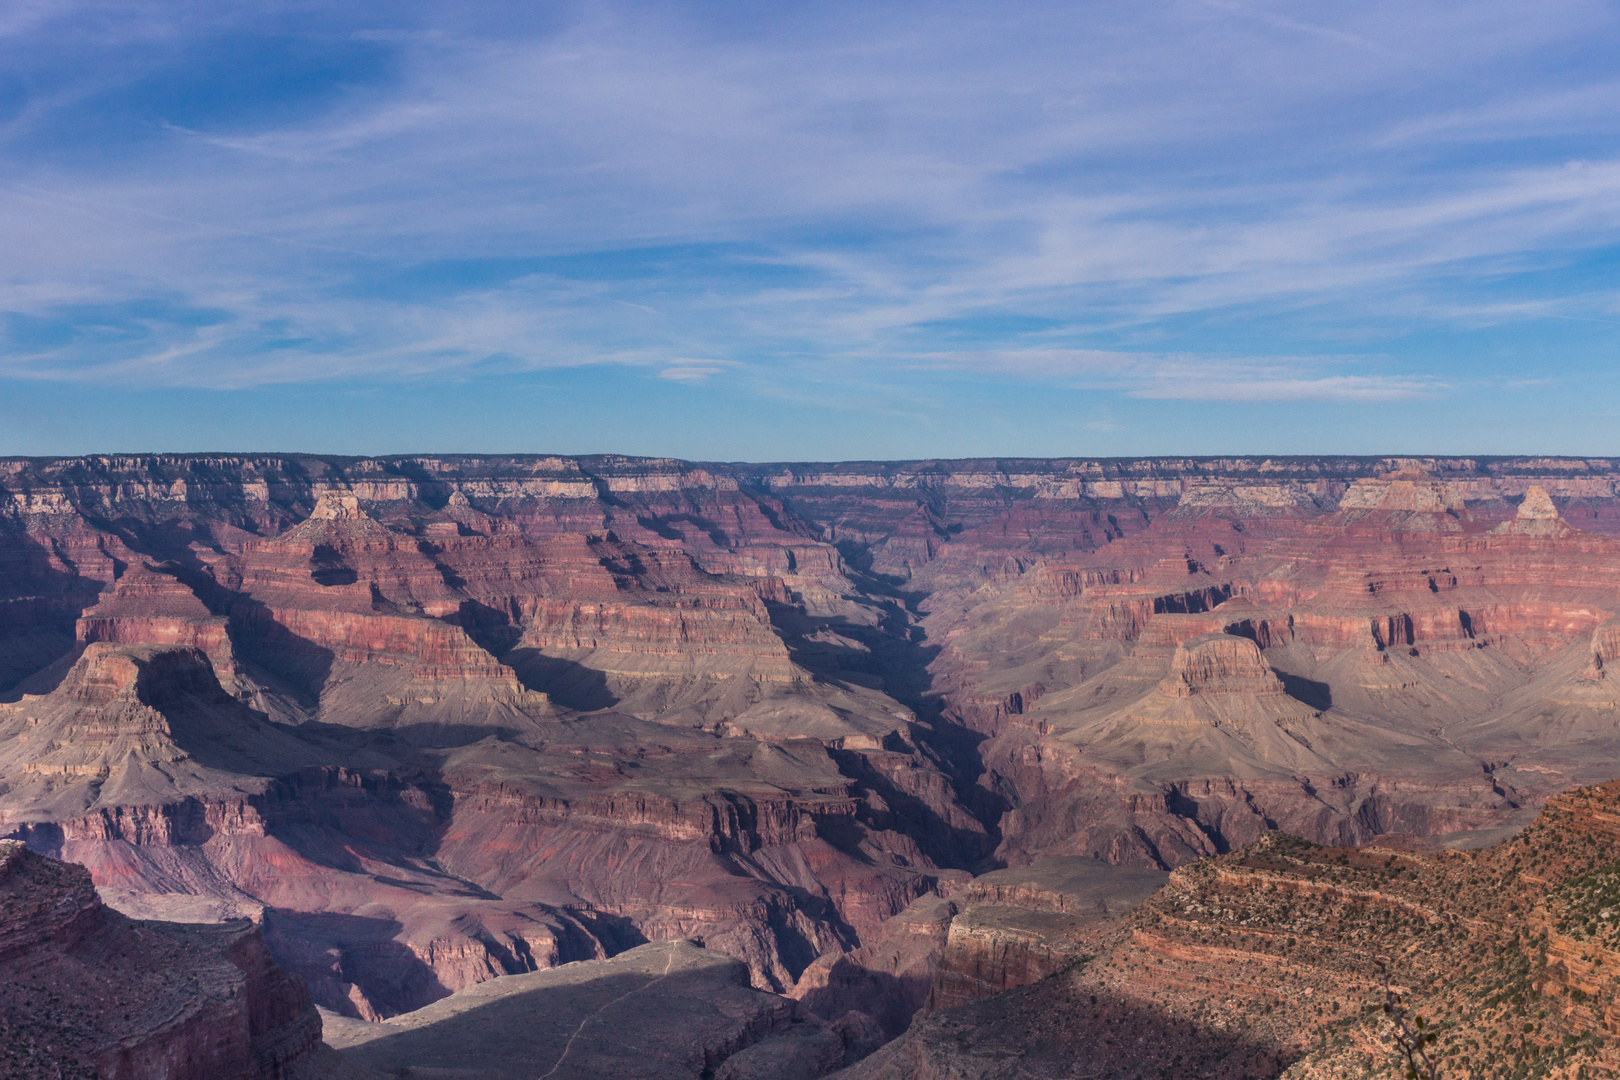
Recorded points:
811,231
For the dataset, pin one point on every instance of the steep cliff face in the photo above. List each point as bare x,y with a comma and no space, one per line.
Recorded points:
995,947
1018,926
995,932
890,975
1219,664
87,992
146,606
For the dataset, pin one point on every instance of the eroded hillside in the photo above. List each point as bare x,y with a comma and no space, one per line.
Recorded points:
1271,961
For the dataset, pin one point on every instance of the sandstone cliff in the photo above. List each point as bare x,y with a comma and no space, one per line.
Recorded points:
1018,926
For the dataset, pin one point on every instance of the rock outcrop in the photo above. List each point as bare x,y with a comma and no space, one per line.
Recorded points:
663,1010
1219,664
890,976
86,992
1271,962
1537,505
1018,926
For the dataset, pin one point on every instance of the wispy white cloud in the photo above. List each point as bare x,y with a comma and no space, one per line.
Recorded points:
1193,378
622,184
1283,22
683,369
1343,388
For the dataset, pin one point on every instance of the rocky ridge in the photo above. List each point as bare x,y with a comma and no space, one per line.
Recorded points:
664,1010
1270,962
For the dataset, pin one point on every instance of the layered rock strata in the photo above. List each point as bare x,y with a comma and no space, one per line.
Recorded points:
1018,926
86,992
443,719
1409,664
1271,962
452,630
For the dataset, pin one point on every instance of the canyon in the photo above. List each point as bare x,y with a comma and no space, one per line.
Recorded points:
881,742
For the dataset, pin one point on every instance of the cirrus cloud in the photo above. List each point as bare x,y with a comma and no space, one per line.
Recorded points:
1202,200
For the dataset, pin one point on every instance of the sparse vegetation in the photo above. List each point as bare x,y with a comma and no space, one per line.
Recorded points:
1411,1038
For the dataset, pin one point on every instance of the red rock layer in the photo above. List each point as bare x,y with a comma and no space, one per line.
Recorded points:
87,992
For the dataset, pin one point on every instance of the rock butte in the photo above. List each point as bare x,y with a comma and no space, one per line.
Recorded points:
435,723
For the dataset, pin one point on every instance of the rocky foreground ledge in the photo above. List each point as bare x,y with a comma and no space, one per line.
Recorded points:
1265,962
672,1010
1269,961
87,992
669,1009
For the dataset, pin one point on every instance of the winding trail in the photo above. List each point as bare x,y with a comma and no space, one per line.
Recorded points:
669,963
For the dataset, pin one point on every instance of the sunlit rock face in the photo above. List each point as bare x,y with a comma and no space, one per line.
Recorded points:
1219,664
432,721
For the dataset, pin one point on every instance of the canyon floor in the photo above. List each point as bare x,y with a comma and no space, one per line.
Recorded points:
876,743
